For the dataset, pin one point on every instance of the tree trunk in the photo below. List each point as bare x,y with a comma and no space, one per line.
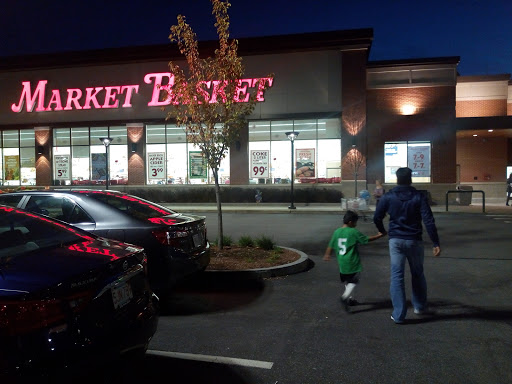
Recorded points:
220,233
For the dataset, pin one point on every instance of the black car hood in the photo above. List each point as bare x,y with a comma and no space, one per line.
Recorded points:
42,268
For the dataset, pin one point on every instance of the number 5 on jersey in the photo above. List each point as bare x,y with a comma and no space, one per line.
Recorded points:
342,245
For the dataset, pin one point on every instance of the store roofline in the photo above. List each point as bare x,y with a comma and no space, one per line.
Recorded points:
452,60
314,41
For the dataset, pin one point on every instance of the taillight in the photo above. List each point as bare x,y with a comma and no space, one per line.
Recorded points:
170,238
19,317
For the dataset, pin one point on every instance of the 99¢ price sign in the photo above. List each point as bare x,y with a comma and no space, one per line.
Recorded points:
156,165
259,164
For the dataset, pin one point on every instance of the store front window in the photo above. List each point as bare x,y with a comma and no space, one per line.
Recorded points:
415,155
17,157
317,150
171,159
79,157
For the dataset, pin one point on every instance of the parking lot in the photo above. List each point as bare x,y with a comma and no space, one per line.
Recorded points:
292,329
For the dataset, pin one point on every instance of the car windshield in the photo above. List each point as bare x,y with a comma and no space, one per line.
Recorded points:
131,205
22,232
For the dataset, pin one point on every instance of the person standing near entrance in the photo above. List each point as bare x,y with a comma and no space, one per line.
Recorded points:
509,188
407,209
378,191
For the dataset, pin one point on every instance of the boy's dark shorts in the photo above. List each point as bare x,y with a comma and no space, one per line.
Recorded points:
350,277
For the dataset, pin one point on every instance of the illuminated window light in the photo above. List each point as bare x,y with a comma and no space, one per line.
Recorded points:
475,135
490,130
408,109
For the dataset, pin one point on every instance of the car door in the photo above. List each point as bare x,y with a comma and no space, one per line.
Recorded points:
61,208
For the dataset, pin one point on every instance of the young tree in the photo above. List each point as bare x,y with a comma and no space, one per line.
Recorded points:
211,120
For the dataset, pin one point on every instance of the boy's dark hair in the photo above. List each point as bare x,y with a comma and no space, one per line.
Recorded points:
350,216
404,176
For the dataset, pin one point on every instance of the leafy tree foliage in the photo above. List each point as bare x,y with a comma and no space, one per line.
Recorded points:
212,121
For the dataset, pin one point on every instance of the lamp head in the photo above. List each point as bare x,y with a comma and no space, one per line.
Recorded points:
292,135
106,141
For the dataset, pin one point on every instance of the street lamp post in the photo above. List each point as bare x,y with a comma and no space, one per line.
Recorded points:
292,136
106,142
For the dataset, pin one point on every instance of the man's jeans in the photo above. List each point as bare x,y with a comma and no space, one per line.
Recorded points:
413,251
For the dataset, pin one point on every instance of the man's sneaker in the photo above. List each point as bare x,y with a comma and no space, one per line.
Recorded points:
424,312
396,322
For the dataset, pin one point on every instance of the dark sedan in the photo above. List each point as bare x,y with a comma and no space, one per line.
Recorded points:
68,297
176,244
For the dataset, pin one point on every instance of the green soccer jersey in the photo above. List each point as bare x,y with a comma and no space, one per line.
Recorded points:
344,242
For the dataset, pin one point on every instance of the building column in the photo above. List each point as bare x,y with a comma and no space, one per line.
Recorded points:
43,142
136,154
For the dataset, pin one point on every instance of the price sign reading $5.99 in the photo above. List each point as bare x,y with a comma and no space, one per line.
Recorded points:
259,164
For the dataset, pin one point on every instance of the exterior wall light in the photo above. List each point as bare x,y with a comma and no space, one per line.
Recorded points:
407,109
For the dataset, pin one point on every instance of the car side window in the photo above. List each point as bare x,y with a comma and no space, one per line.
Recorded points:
11,200
58,207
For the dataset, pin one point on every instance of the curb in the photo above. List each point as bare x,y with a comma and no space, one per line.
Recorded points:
300,265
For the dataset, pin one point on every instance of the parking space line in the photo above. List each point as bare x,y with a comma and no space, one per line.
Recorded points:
213,359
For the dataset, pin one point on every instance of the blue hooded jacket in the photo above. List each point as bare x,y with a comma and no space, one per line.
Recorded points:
407,208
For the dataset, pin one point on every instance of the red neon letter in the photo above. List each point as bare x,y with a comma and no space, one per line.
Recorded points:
112,92
89,96
261,86
55,99
27,94
218,89
158,87
242,91
129,92
73,99
205,95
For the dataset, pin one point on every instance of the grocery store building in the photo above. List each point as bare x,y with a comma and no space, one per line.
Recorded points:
357,121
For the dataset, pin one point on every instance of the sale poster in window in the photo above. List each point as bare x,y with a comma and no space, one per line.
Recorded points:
259,164
12,167
99,166
419,160
61,167
197,165
305,162
156,165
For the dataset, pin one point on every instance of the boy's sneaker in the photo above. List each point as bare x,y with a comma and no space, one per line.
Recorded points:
351,301
345,305
396,322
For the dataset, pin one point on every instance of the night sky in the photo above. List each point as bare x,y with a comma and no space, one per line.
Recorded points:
480,32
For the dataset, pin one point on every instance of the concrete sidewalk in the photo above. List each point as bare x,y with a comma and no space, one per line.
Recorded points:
492,206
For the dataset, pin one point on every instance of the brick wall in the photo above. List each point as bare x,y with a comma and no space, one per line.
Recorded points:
354,112
433,121
481,108
482,158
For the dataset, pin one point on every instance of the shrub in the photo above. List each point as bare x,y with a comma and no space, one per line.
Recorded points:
226,241
246,241
265,242
275,254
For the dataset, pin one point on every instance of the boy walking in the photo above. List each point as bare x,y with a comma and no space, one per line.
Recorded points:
344,242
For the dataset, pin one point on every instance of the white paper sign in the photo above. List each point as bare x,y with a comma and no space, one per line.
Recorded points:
61,167
419,160
259,164
156,165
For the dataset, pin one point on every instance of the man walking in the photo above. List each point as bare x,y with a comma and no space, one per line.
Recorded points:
407,208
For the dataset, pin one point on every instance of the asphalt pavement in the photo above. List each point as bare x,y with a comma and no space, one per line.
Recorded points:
292,329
